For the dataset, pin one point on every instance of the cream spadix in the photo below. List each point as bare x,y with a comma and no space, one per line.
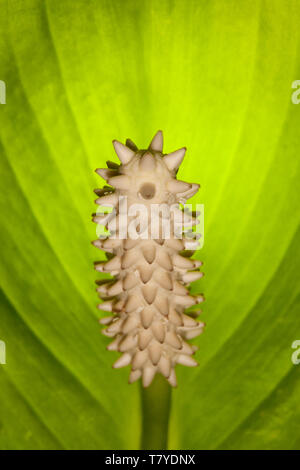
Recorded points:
147,296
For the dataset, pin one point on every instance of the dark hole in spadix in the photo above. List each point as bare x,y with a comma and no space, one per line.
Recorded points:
147,191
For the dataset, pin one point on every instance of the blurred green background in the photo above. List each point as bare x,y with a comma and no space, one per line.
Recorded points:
216,76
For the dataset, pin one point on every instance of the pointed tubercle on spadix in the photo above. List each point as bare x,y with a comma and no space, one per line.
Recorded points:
123,152
173,160
156,143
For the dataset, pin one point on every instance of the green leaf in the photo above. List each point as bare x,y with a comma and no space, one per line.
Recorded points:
216,77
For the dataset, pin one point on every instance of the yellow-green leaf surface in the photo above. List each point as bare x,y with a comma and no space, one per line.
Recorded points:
217,77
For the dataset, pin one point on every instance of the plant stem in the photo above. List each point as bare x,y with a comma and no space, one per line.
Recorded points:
156,401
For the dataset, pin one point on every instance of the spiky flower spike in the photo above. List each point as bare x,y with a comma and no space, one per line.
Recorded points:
148,293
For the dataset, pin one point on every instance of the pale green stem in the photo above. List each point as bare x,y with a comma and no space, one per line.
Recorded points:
156,402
